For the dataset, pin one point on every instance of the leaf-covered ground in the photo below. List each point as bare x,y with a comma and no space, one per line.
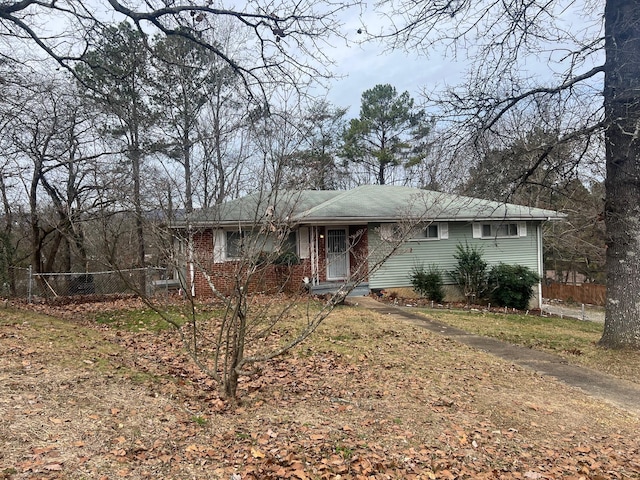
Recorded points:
364,398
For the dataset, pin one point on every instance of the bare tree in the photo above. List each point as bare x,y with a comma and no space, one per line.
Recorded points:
53,151
500,38
277,136
576,248
182,71
285,41
316,161
224,127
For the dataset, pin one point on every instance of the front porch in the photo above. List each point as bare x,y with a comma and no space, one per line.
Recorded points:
324,288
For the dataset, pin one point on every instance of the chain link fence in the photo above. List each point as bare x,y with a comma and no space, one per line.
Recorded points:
15,283
25,283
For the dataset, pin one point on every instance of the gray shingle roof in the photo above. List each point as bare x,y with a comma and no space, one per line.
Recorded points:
368,203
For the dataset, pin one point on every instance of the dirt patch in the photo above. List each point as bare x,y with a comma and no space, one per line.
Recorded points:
364,398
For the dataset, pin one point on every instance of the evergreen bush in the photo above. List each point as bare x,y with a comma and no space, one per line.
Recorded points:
511,285
428,283
470,273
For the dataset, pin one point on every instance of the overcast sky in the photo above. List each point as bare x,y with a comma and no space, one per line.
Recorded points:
361,68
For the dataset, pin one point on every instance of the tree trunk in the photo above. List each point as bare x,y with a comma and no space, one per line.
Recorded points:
381,172
7,248
186,158
622,199
139,222
235,347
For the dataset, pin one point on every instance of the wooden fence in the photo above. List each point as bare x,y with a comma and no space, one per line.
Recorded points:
589,293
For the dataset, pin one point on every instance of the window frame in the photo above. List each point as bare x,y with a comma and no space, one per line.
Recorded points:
241,234
426,231
291,242
442,230
501,230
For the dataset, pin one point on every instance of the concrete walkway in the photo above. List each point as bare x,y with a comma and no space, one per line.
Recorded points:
600,385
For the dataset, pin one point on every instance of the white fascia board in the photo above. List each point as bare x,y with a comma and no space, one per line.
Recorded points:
365,220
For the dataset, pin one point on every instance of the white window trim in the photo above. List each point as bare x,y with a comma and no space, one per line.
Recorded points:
304,243
220,250
478,227
219,245
443,233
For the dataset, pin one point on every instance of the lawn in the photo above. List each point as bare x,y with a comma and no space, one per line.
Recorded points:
365,397
575,340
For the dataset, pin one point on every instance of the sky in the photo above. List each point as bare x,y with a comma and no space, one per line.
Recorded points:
361,68
362,65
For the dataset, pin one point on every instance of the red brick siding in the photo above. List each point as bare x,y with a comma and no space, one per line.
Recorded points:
360,250
271,278
224,275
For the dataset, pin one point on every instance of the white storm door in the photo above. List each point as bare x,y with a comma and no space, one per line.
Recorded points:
337,254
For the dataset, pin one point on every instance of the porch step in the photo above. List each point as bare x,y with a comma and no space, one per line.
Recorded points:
361,290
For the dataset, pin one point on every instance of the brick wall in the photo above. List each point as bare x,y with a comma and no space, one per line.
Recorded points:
225,275
270,278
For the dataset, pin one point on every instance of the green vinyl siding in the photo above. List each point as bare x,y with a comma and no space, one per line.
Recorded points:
396,271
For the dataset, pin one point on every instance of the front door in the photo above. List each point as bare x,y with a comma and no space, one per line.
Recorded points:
337,254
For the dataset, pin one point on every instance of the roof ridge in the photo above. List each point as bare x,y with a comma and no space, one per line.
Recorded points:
340,194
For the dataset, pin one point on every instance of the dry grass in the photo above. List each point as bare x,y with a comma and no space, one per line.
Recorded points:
575,340
366,397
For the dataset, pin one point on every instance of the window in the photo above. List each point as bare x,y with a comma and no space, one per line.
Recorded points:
432,231
245,242
289,244
391,232
499,230
235,244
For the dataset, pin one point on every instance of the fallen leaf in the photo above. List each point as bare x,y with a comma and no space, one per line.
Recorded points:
532,475
257,453
300,474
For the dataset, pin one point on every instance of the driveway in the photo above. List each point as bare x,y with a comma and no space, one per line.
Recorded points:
622,393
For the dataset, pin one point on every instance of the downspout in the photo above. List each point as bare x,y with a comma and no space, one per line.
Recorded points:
192,270
540,263
314,255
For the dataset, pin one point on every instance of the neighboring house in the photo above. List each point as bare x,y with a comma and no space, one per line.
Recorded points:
341,236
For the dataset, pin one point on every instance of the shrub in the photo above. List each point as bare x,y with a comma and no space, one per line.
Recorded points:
283,259
428,283
470,273
512,285
286,258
